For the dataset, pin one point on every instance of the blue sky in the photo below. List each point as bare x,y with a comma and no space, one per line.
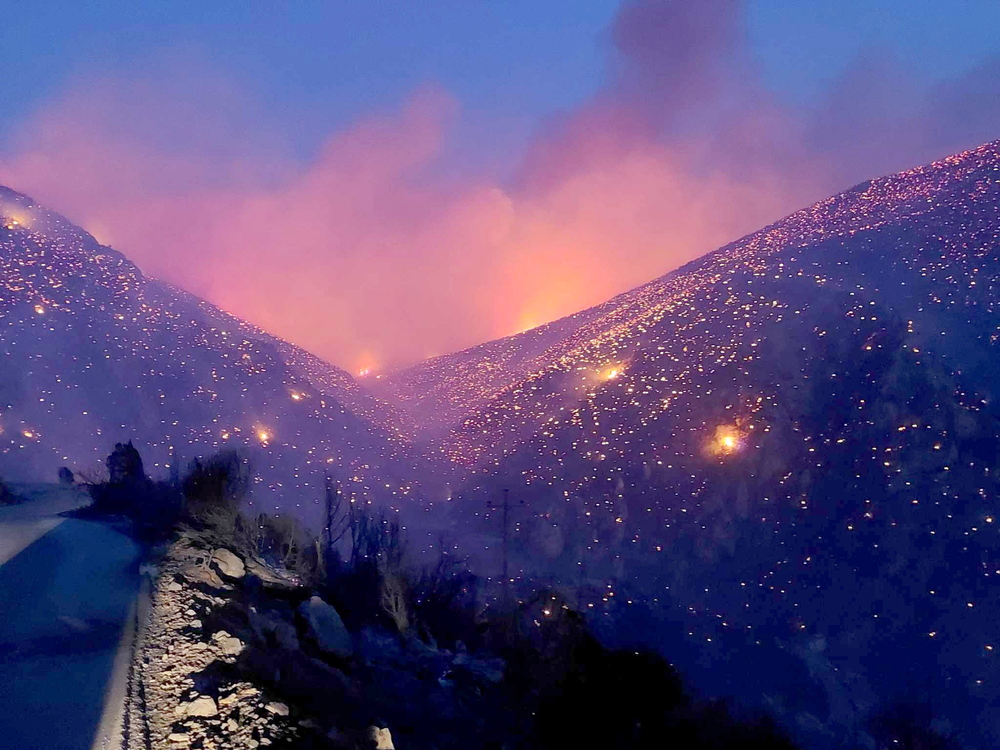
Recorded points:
510,63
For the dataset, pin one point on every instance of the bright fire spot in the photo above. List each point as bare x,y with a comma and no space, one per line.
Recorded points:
364,372
611,373
263,436
225,436
39,309
296,396
28,433
728,439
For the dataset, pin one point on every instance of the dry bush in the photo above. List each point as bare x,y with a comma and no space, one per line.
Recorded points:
92,476
393,598
214,488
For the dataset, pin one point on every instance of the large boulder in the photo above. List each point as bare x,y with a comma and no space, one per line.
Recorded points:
325,628
228,564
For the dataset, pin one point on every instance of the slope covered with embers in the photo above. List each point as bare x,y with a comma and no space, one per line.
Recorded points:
790,441
93,352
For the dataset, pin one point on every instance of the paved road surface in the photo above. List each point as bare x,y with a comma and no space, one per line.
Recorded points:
65,601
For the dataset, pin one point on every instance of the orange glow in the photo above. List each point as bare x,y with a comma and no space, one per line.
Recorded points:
39,309
263,435
728,439
387,268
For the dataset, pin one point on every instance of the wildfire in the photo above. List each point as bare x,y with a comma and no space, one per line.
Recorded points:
612,373
728,439
263,435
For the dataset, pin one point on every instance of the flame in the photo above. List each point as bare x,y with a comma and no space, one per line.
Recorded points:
728,439
612,373
263,435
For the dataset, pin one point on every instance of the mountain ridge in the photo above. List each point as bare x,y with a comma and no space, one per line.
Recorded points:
76,307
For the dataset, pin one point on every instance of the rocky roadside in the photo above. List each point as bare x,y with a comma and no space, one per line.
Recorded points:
175,701
234,654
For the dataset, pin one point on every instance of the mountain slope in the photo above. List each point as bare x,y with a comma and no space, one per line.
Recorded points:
786,451
93,352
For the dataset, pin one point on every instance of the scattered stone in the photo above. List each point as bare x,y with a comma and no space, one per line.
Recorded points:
277,708
232,726
177,737
326,628
229,644
202,706
174,586
380,739
228,564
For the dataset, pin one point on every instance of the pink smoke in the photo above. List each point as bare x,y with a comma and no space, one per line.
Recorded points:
367,256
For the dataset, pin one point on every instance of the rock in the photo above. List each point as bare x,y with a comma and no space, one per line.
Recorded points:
270,578
202,706
228,564
277,708
174,586
232,726
229,644
380,739
198,574
178,738
326,628
272,624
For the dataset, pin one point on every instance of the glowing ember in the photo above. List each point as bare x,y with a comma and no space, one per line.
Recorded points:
728,439
39,309
263,436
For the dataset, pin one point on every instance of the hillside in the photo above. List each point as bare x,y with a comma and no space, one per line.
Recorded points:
94,352
785,451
